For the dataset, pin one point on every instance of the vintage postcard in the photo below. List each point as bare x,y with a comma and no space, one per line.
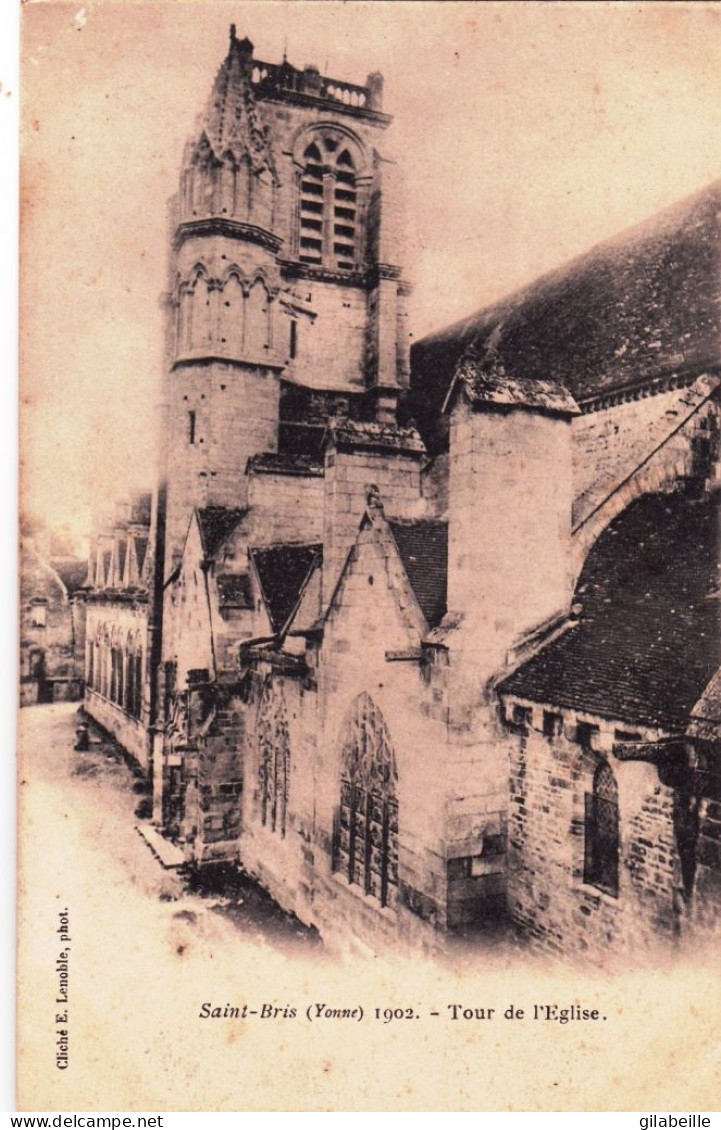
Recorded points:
370,691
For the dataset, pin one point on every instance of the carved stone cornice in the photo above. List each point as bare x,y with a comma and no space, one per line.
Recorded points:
652,387
233,229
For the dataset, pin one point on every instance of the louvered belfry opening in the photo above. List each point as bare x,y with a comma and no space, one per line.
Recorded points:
328,206
344,213
311,207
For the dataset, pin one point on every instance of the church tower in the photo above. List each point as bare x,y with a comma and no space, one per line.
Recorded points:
285,299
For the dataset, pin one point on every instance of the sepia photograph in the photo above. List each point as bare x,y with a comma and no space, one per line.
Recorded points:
369,598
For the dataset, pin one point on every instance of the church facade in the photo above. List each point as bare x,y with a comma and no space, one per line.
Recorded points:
424,641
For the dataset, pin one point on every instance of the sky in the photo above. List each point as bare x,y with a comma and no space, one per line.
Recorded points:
526,133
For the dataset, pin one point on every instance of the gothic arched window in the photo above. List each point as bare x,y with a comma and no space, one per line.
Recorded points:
328,205
602,844
274,757
367,831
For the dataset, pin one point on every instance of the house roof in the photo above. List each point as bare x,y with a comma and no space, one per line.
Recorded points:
649,636
423,549
73,572
140,506
629,311
282,572
216,524
141,549
122,553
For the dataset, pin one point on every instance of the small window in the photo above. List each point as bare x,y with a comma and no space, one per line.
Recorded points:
602,840
39,615
585,733
459,868
552,724
191,427
626,736
521,718
293,338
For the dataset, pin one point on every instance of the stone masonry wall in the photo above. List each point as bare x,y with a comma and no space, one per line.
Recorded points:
548,898
282,858
236,416
285,508
347,477
609,444
366,624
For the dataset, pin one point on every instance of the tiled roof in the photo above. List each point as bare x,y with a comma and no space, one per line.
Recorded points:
234,590
73,572
649,636
216,523
423,549
140,505
282,572
630,310
122,553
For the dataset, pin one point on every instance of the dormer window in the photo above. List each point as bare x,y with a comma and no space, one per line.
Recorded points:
328,206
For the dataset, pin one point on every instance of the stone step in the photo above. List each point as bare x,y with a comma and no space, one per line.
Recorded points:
168,853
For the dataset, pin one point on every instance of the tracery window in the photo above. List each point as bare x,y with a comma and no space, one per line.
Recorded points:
274,757
367,831
602,843
328,205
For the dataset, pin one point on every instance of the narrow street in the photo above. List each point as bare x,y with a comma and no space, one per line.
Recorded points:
145,952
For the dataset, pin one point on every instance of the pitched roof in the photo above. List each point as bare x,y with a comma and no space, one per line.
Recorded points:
649,638
633,309
282,572
140,506
216,524
141,548
423,549
73,572
122,553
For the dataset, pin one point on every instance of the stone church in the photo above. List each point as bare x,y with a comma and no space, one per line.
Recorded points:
425,641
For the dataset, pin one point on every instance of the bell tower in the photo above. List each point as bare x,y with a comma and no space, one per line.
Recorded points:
285,300
223,358
285,312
